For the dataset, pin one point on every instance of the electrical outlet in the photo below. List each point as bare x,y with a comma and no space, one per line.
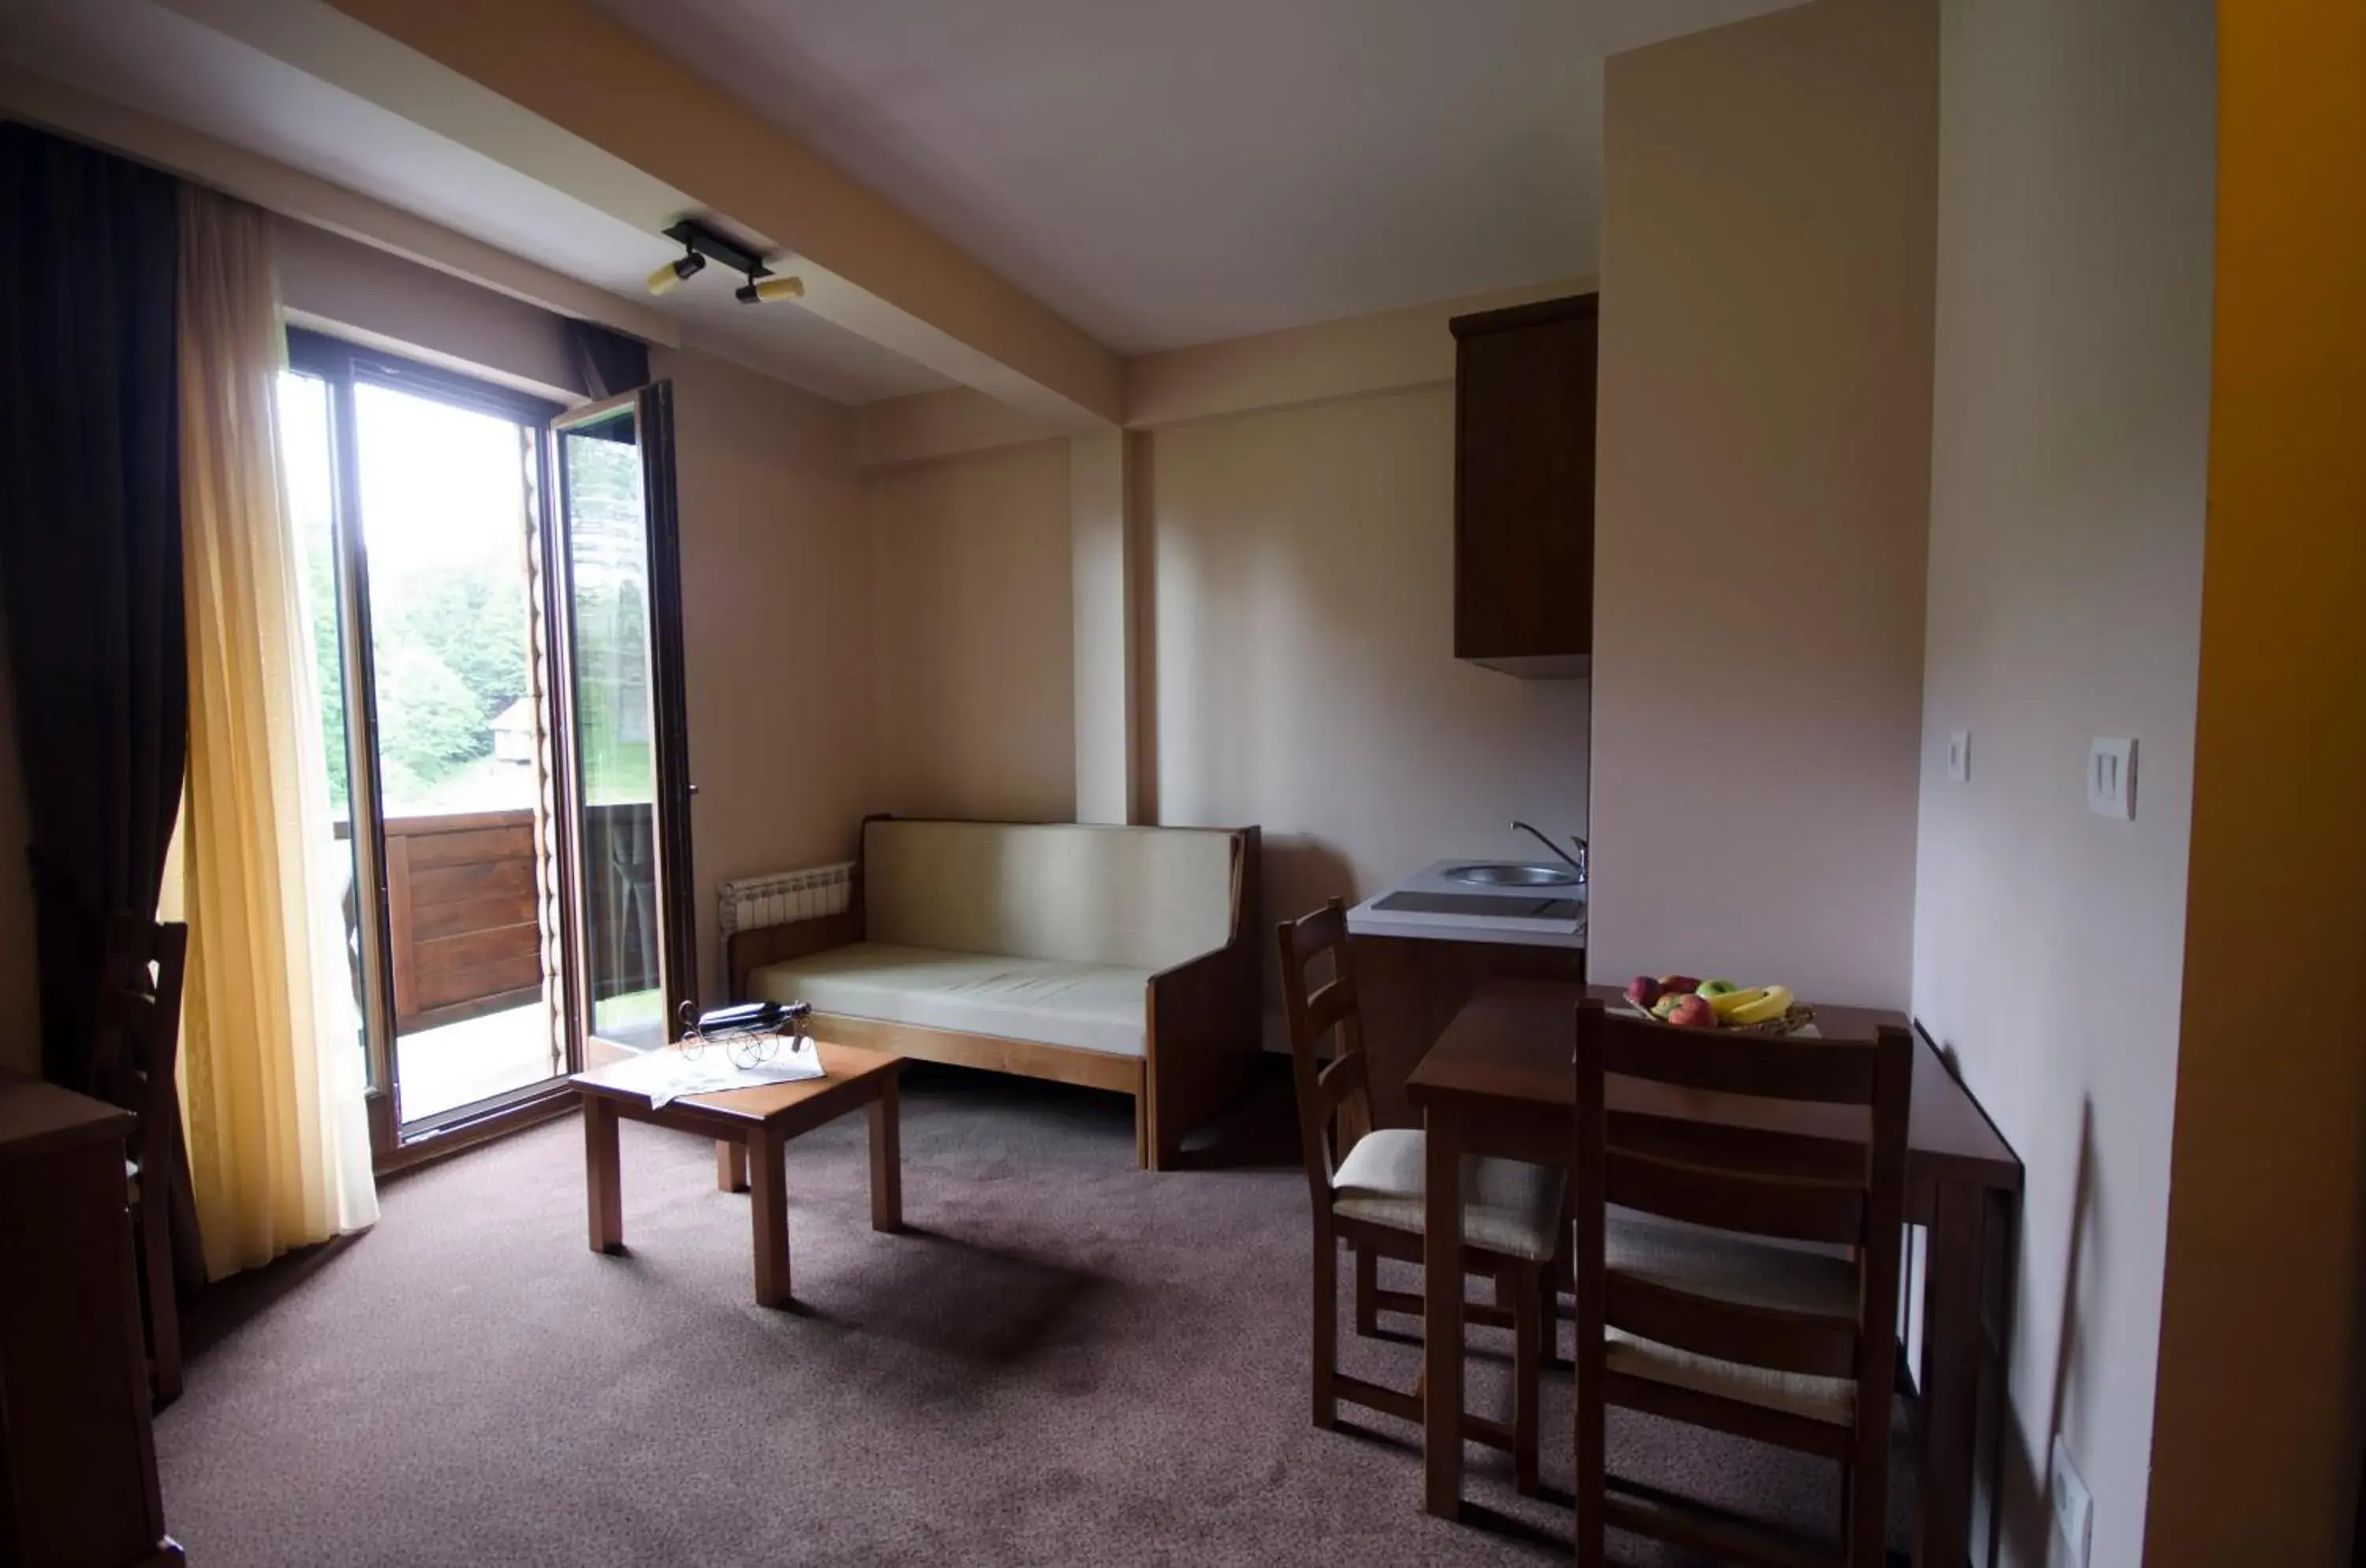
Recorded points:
2112,778
1959,755
2074,1508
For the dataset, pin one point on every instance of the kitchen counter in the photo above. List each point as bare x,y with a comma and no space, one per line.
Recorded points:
1513,930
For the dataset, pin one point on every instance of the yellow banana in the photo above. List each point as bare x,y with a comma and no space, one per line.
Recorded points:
1726,1004
1772,1003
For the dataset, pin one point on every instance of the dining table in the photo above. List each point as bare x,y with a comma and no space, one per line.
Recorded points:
1501,1080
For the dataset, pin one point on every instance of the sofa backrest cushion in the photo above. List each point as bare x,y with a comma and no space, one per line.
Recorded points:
1141,898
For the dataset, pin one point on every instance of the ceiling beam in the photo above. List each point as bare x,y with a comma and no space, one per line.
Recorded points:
558,91
324,204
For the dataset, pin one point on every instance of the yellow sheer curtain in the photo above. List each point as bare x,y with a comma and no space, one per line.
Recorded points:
272,1079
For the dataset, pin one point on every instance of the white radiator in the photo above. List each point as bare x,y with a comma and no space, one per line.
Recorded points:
752,902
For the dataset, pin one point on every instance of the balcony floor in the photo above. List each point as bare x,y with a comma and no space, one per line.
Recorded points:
454,1064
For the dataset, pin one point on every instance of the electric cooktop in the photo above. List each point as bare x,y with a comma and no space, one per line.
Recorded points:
1496,906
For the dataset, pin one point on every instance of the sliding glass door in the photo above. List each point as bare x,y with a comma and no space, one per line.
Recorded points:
501,693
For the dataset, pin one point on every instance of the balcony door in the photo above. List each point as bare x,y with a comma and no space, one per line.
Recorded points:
511,896
627,779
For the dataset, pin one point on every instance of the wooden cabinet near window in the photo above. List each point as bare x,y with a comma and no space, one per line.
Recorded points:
1524,486
77,1454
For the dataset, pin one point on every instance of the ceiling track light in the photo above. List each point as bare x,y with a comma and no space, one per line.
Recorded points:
701,242
754,293
675,273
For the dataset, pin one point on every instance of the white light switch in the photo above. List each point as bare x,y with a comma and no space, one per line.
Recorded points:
1959,755
2112,778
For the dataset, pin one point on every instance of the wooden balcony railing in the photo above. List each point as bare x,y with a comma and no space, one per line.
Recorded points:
463,912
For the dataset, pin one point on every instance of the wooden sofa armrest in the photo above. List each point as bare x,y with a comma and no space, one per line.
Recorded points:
746,952
1206,1021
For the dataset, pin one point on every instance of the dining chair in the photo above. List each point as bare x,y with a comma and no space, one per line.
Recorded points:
135,1061
1739,1277
1366,1183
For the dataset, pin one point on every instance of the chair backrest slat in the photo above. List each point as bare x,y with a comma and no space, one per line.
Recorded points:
1329,1006
1334,1098
136,1046
1809,1343
1744,1201
1819,1071
1761,1151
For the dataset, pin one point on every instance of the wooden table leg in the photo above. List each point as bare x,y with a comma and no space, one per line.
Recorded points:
602,1181
886,1160
1951,1327
769,1183
1441,1352
731,1166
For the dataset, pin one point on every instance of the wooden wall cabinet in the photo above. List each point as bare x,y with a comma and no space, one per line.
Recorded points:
1524,486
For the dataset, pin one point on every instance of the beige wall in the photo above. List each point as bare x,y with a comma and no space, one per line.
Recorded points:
343,286
1297,665
2256,1427
1300,653
970,623
776,627
2068,475
1764,483
20,1000
1387,351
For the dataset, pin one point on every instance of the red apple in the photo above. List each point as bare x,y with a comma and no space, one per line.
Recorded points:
1642,990
1694,1012
1679,982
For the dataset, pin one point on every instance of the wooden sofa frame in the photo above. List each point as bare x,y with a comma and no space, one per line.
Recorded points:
1203,1019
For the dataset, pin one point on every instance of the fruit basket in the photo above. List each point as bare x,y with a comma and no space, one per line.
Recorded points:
1799,1017
1679,1001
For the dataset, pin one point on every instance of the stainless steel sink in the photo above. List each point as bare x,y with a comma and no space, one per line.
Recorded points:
1499,873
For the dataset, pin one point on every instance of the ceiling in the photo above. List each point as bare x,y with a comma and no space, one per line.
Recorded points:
1164,175
165,65
1160,174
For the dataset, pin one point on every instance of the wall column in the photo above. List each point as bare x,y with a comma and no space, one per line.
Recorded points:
1100,552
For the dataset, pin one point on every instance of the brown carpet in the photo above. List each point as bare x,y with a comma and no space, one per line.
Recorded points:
1066,1361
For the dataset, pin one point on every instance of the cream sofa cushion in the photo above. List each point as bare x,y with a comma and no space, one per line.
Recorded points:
1094,1007
1725,1267
1508,1206
1136,897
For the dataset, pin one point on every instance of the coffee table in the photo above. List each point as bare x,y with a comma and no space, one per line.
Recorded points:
751,1129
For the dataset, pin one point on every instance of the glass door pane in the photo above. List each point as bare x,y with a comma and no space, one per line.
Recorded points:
446,504
618,599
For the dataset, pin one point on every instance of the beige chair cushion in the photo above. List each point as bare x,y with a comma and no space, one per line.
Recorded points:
1732,1268
1089,1006
1134,897
1508,1206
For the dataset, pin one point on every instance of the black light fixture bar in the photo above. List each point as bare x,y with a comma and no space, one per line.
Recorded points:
698,237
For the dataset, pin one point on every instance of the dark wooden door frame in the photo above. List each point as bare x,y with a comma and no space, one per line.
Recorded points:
652,409
344,366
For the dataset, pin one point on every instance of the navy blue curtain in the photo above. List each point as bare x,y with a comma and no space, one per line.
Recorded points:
90,551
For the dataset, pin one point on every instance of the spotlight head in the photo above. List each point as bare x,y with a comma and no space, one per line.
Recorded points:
754,293
666,277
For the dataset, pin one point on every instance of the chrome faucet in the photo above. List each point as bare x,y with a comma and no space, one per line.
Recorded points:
1577,861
